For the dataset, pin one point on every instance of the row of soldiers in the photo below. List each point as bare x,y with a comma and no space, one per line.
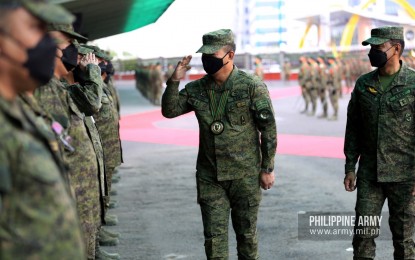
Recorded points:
150,81
321,79
59,136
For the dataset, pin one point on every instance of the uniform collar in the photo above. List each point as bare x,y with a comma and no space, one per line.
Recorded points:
227,85
399,80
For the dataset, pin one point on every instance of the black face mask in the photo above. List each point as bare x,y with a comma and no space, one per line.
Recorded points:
211,64
41,60
70,57
103,67
378,58
110,69
79,76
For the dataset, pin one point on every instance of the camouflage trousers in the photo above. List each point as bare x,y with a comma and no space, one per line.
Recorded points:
305,96
322,94
334,94
239,198
371,196
312,93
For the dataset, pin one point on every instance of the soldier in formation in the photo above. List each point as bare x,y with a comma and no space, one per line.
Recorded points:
322,79
259,70
57,155
287,70
149,81
38,216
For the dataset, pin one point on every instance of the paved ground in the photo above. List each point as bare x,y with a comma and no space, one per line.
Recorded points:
157,210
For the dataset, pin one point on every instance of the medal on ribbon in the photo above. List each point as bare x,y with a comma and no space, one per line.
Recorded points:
217,127
217,111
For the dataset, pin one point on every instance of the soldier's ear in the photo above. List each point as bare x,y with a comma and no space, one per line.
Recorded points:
231,55
398,48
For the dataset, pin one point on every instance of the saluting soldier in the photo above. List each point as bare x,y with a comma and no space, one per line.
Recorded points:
69,104
38,218
237,143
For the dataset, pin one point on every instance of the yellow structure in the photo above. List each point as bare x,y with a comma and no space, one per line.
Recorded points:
351,25
354,19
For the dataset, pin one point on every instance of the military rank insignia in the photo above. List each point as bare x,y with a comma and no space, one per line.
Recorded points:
372,90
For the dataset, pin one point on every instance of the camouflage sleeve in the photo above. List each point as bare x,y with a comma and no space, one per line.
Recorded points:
52,98
351,141
88,97
173,102
115,95
265,121
5,174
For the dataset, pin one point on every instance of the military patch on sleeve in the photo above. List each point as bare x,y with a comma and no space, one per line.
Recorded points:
263,111
262,104
264,114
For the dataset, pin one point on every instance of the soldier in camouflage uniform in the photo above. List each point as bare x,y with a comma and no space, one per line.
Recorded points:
322,85
107,122
38,217
237,143
380,135
347,74
69,105
287,70
312,84
259,70
303,78
109,80
334,86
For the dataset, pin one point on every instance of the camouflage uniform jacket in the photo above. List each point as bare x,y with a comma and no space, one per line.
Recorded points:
83,162
38,219
88,96
248,142
302,74
107,122
114,93
84,100
44,121
380,131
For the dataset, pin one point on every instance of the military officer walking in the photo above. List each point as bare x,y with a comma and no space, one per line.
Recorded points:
237,143
380,135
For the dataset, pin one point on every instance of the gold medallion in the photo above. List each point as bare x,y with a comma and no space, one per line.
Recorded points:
217,127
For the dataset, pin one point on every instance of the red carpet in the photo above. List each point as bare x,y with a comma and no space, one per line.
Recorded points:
143,128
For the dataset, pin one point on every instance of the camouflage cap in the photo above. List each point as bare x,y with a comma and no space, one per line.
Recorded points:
42,9
98,52
214,41
383,34
84,50
68,29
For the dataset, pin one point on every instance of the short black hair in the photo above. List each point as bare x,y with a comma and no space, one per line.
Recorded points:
401,42
230,47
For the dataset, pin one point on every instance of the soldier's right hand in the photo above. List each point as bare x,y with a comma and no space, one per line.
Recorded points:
181,68
89,58
350,181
